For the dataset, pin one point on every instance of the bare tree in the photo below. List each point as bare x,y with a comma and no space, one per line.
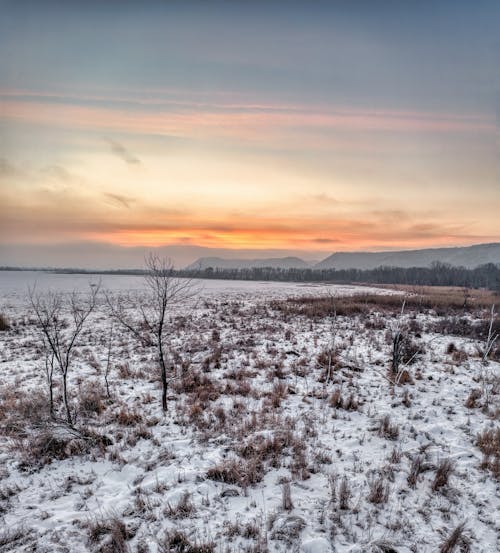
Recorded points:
164,290
492,336
49,375
61,319
108,359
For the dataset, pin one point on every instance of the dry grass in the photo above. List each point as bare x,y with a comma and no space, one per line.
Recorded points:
454,539
4,323
91,398
488,442
443,300
443,473
184,508
338,401
237,472
108,535
13,538
379,490
387,429
177,542
344,494
416,468
286,497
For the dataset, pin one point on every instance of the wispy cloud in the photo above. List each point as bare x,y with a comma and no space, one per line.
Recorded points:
239,123
123,153
119,200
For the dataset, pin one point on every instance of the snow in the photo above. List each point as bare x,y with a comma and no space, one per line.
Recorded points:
139,475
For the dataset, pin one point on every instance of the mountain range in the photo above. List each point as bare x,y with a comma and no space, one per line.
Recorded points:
468,256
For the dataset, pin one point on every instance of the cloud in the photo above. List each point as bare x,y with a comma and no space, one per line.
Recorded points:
242,124
122,152
119,199
324,198
7,169
57,172
324,240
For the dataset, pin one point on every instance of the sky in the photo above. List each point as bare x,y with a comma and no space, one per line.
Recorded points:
245,129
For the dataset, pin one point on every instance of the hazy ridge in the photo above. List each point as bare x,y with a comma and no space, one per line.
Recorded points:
469,257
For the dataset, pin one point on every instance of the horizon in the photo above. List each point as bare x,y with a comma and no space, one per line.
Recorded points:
137,262
249,130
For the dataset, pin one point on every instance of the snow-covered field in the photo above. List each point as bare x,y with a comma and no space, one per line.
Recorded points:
284,431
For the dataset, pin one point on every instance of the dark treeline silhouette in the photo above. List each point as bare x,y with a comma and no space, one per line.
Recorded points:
438,274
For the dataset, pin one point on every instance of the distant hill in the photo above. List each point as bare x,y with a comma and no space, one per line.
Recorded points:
470,257
221,263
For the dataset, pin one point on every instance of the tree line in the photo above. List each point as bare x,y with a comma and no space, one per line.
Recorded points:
438,274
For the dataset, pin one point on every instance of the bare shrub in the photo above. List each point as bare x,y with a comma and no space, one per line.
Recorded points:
61,321
443,473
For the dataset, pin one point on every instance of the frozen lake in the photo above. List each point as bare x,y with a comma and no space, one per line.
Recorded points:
14,286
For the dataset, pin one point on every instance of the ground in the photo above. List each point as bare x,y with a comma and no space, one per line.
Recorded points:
285,430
